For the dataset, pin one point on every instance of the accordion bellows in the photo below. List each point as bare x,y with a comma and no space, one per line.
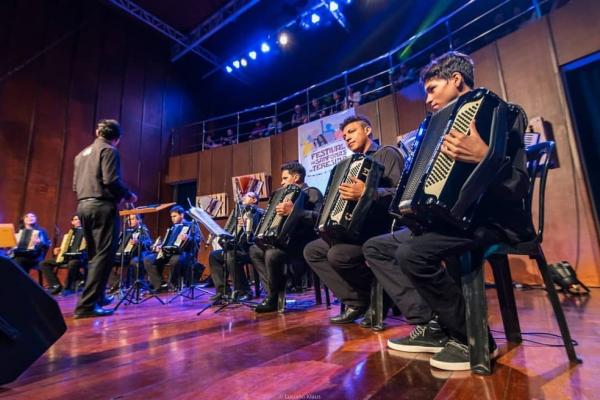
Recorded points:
343,219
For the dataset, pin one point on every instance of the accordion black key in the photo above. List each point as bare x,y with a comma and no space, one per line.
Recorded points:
275,230
436,188
342,220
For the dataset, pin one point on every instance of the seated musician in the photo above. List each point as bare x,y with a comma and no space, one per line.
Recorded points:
341,266
180,253
442,325
236,250
270,263
136,234
73,255
32,243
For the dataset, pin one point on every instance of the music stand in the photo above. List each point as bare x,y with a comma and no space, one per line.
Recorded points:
133,294
205,219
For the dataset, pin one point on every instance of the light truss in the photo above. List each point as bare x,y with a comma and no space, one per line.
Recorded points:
224,16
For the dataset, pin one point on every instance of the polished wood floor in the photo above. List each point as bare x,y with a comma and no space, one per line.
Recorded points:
153,351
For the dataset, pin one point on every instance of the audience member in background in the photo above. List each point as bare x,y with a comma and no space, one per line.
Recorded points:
298,117
274,127
28,254
229,138
371,90
316,111
209,143
258,131
337,103
352,97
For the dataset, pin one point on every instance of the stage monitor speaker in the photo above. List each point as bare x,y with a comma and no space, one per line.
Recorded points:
30,321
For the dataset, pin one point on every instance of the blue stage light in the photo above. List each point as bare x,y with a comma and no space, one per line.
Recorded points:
236,64
333,6
252,55
315,18
264,47
228,69
243,62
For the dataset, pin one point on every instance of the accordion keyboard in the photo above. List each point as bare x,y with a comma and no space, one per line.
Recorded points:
338,210
443,164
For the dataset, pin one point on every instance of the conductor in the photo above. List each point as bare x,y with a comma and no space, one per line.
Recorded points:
99,187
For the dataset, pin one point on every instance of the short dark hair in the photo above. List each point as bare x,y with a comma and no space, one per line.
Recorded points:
294,167
445,65
356,118
109,129
177,209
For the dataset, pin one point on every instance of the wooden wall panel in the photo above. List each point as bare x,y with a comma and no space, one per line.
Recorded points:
108,66
575,29
222,170
531,80
488,71
205,173
242,160
410,103
388,118
276,159
261,155
290,145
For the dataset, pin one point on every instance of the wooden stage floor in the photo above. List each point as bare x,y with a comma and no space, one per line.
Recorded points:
151,351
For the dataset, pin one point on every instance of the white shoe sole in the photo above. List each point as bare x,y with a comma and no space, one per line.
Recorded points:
463,366
414,349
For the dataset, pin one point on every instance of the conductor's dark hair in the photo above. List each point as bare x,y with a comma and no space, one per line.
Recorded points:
177,209
109,129
447,64
355,118
295,168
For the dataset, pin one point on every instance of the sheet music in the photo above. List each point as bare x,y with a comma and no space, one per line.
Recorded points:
206,220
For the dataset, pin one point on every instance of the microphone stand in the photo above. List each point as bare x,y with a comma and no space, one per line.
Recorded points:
230,249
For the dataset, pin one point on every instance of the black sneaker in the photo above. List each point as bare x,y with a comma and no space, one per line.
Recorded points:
428,338
455,356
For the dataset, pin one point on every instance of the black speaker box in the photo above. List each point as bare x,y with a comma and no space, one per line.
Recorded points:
30,321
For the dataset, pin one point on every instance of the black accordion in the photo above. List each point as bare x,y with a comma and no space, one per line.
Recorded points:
238,236
436,188
173,243
343,219
72,246
275,230
127,249
26,242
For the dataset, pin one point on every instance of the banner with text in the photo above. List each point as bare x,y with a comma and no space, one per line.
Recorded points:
321,146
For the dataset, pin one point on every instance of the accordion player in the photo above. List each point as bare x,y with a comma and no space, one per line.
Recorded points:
342,220
436,188
32,243
274,229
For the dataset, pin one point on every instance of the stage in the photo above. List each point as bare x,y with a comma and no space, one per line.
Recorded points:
153,351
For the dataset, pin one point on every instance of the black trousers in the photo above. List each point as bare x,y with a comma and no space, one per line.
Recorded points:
26,263
342,268
73,272
420,257
379,253
270,264
100,223
130,266
155,267
216,260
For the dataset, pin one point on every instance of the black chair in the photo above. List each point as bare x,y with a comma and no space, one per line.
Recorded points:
539,157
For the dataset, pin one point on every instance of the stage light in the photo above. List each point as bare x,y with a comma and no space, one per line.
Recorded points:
228,69
315,18
243,62
252,55
236,64
333,6
264,47
283,39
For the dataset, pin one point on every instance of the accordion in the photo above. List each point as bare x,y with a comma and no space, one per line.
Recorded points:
342,219
173,243
26,239
436,188
72,246
235,236
130,248
275,230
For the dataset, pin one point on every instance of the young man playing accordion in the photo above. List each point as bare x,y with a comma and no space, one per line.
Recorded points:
439,311
340,264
